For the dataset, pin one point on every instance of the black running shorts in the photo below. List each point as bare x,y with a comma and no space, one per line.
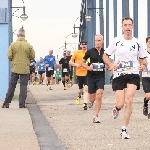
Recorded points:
82,80
49,73
65,74
95,83
120,82
146,84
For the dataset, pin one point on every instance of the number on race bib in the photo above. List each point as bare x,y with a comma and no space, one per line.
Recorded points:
50,68
65,70
126,65
98,66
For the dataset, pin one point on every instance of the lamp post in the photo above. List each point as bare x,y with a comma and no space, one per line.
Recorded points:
23,16
67,43
74,34
88,17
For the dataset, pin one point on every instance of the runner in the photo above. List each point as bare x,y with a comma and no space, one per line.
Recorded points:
127,50
81,73
64,62
71,68
32,71
41,70
96,74
49,62
146,80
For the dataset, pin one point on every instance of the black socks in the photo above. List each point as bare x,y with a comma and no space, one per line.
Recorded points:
117,108
145,102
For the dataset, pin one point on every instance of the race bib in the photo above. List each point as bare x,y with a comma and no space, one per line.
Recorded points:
65,70
147,71
125,66
98,66
50,68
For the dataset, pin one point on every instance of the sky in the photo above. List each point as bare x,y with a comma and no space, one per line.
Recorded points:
50,23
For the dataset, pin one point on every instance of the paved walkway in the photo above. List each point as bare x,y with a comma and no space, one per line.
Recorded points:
65,126
74,126
16,130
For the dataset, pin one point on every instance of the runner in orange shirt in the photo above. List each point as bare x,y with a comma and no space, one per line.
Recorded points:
81,73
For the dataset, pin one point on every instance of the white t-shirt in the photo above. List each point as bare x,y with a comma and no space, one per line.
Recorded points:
147,72
126,53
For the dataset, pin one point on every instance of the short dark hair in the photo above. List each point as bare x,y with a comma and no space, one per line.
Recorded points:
147,39
127,18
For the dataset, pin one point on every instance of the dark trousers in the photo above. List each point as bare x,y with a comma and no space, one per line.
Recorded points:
12,85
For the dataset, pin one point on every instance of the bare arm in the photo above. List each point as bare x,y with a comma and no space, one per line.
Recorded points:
107,61
84,65
143,61
72,63
142,64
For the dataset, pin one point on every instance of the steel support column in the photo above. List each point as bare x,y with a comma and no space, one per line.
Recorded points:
148,17
107,38
93,22
10,31
135,17
101,17
115,17
125,8
90,25
5,31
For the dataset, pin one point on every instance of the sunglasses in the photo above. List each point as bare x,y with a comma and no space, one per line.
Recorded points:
83,43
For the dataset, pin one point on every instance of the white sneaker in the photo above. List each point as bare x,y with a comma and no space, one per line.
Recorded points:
115,112
124,134
96,119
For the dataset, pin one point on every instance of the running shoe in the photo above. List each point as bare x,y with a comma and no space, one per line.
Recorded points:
50,88
42,83
145,110
115,112
96,119
90,104
85,106
124,134
78,100
64,88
